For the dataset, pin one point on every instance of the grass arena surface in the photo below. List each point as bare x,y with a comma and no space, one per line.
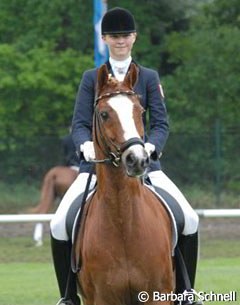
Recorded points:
27,275
34,283
26,272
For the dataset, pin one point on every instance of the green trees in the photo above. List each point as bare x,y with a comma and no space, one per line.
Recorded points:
44,48
46,45
205,85
203,94
38,88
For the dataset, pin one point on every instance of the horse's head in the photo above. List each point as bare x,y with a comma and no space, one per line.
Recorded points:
118,125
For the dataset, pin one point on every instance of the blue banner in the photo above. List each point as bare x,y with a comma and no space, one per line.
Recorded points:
100,49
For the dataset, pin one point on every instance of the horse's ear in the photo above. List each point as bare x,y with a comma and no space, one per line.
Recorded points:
102,77
132,76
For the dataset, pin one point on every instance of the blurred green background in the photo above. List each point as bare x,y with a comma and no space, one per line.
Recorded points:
194,45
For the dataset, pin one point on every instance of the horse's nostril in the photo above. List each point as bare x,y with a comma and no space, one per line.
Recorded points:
130,159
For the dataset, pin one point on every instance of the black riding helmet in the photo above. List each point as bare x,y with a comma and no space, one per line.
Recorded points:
118,21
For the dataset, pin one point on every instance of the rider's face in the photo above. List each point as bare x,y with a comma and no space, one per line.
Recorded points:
120,45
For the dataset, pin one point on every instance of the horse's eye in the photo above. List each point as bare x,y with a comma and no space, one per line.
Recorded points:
104,115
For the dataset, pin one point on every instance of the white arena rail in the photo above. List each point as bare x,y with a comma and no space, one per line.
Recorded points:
213,213
218,213
40,218
25,218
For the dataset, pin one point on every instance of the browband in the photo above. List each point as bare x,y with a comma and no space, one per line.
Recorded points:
110,94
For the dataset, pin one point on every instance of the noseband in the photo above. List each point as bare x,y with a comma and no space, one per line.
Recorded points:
111,150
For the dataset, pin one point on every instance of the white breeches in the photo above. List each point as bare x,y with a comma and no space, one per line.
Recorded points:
58,222
161,180
158,178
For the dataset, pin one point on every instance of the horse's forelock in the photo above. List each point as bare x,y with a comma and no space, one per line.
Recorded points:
112,85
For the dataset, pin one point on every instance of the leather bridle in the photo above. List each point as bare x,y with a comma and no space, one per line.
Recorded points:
111,150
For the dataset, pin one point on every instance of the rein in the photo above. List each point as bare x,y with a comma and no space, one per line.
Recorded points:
112,156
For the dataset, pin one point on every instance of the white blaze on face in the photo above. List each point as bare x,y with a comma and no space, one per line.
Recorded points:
124,109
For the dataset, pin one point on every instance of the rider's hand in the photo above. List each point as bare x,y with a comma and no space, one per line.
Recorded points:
88,151
150,148
151,151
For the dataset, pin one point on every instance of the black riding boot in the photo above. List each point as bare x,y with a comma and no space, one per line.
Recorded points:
61,253
187,254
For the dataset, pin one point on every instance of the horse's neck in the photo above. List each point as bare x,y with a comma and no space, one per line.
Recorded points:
117,192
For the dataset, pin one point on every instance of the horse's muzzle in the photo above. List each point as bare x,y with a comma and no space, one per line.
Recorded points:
135,160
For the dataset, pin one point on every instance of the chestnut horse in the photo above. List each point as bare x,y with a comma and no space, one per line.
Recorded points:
55,184
125,246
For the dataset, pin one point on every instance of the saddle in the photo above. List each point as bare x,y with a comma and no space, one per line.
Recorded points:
75,219
175,212
74,213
